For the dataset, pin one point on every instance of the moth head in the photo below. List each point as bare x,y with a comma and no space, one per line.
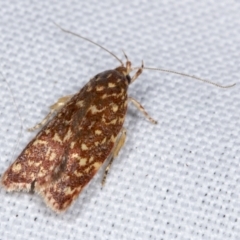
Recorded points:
125,71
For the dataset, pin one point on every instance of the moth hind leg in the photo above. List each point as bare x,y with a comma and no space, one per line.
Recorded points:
53,109
118,145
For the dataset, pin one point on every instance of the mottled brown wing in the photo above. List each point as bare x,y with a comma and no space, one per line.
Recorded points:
69,150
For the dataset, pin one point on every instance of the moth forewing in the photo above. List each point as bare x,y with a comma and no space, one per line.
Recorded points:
70,148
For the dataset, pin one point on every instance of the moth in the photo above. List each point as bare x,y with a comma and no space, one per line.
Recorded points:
80,133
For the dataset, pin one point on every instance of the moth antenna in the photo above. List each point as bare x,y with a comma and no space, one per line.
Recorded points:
89,40
190,76
149,68
15,105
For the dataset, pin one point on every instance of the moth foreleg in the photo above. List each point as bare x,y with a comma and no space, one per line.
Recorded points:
141,108
53,109
118,145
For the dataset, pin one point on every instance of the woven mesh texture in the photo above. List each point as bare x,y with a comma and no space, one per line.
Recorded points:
178,179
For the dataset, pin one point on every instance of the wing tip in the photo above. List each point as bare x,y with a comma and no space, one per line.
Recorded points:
55,201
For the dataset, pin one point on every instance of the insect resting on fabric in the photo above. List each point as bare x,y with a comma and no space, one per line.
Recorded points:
86,131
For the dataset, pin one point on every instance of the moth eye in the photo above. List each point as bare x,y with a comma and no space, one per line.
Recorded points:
129,79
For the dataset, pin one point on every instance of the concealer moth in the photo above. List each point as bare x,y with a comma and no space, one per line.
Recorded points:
81,132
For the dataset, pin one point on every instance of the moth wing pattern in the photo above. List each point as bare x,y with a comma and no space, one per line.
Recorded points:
68,151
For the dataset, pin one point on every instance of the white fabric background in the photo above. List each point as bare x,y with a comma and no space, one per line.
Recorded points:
179,179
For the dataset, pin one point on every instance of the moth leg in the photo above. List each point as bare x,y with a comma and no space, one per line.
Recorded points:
53,109
139,72
118,145
141,108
